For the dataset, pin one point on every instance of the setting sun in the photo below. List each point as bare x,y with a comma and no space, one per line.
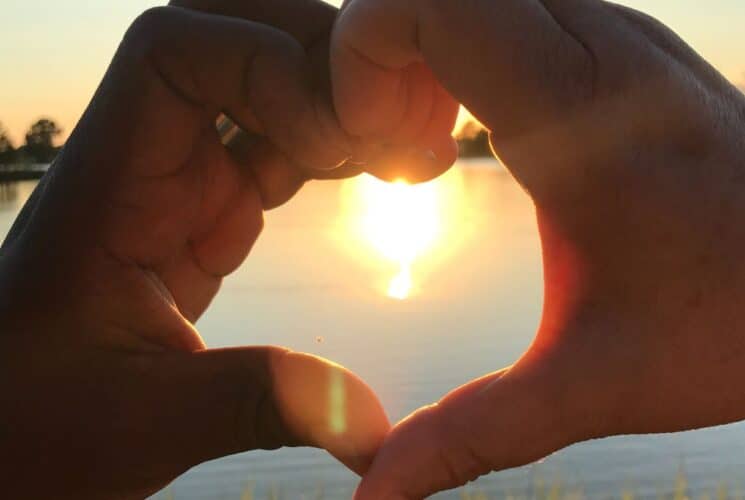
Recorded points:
401,223
401,220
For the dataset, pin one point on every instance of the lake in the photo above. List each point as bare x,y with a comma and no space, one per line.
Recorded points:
418,290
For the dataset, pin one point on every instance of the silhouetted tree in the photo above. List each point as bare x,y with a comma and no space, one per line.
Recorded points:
40,141
7,151
474,142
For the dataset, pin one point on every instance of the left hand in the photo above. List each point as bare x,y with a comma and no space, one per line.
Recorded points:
109,392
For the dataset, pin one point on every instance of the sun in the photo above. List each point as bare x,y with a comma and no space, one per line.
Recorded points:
399,222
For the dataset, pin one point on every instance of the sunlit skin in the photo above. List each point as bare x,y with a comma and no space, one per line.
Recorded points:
631,147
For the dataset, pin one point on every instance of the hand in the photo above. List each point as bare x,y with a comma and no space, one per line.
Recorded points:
107,392
631,148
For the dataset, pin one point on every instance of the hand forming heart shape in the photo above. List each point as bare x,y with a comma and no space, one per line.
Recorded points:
627,141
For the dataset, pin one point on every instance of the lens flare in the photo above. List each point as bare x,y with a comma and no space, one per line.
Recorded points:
337,402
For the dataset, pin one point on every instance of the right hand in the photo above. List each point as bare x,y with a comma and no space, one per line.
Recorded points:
631,147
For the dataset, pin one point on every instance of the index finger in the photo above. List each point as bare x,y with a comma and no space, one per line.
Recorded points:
256,74
306,20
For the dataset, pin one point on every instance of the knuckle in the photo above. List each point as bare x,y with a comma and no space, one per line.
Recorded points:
150,21
144,32
572,67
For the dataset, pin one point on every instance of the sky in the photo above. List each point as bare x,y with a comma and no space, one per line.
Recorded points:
54,52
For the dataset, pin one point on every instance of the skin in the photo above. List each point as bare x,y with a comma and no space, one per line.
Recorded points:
126,241
631,147
109,391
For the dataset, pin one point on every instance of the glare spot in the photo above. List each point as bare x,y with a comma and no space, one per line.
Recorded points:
400,221
406,228
337,402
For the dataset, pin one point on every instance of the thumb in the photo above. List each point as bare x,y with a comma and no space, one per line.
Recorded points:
503,420
214,403
513,63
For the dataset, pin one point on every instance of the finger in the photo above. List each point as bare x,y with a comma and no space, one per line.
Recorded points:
210,404
306,20
503,420
426,131
524,61
408,164
189,66
277,178
310,22
216,252
207,238
345,171
669,42
438,130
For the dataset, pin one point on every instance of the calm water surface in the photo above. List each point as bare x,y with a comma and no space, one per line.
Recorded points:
416,304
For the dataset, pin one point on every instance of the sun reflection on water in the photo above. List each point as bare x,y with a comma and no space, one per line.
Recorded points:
400,287
402,223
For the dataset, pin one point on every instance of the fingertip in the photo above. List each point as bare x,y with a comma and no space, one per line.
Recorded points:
329,407
376,489
410,165
446,151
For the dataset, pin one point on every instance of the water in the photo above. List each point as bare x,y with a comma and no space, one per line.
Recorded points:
473,305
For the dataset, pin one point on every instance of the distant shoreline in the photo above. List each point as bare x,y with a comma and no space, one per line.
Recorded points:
22,172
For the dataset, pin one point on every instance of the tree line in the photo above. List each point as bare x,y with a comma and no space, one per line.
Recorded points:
473,142
38,146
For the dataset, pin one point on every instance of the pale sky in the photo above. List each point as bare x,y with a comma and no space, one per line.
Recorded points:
54,52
